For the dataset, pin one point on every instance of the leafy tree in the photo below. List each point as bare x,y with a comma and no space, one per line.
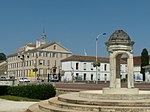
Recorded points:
144,61
2,56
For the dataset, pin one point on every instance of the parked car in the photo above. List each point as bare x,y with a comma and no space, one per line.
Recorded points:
2,78
23,79
54,80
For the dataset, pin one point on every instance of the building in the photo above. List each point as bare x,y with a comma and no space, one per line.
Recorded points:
147,73
3,69
40,60
137,67
81,68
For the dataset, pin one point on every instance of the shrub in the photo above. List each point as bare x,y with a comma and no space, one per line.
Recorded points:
3,90
96,64
41,91
124,80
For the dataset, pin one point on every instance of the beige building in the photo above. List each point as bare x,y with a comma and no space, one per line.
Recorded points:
38,60
3,69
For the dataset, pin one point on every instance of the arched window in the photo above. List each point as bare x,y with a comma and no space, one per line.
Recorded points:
54,47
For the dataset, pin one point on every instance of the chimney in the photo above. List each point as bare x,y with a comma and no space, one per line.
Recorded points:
38,43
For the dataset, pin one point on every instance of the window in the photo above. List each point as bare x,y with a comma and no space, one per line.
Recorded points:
61,55
84,77
84,66
91,66
40,62
54,47
43,62
36,54
77,75
77,66
48,54
54,55
99,77
105,67
40,54
48,62
91,77
17,65
105,76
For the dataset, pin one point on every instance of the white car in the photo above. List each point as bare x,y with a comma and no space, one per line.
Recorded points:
24,80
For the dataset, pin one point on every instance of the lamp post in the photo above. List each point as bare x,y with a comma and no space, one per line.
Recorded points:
22,57
35,68
100,35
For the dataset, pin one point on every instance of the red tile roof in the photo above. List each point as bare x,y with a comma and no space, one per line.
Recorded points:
136,59
86,58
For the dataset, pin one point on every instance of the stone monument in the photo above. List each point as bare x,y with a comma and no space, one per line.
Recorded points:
111,99
118,44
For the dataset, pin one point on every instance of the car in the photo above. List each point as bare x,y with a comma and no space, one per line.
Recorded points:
54,80
2,78
23,79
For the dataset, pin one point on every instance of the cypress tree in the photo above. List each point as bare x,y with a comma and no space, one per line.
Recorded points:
144,61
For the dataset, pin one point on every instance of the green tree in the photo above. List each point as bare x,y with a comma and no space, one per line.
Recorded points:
144,61
2,56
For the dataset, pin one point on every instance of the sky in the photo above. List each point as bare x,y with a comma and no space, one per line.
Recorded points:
73,23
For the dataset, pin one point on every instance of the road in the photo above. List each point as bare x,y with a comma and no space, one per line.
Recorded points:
92,86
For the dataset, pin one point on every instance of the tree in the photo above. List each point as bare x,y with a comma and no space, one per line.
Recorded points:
2,56
144,61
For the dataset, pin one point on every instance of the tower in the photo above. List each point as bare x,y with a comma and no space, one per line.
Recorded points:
43,36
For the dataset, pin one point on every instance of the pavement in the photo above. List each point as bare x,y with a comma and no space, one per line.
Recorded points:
14,106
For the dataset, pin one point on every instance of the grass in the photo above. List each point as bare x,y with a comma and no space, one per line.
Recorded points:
16,98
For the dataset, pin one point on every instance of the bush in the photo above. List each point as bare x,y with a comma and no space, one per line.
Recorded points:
42,92
3,90
124,80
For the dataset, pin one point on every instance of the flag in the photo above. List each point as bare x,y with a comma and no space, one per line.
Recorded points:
85,53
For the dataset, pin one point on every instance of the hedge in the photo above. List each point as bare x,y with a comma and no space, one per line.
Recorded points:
3,90
41,91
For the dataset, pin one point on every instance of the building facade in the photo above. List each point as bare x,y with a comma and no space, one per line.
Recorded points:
147,73
81,68
40,60
3,69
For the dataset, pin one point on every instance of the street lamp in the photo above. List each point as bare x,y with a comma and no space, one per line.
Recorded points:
22,57
35,70
100,35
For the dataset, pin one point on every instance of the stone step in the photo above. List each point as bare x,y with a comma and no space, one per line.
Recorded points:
73,98
34,108
72,102
78,107
125,109
46,107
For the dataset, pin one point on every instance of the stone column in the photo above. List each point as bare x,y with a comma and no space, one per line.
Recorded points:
130,72
112,71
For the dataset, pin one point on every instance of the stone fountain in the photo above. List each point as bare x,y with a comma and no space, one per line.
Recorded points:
111,99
